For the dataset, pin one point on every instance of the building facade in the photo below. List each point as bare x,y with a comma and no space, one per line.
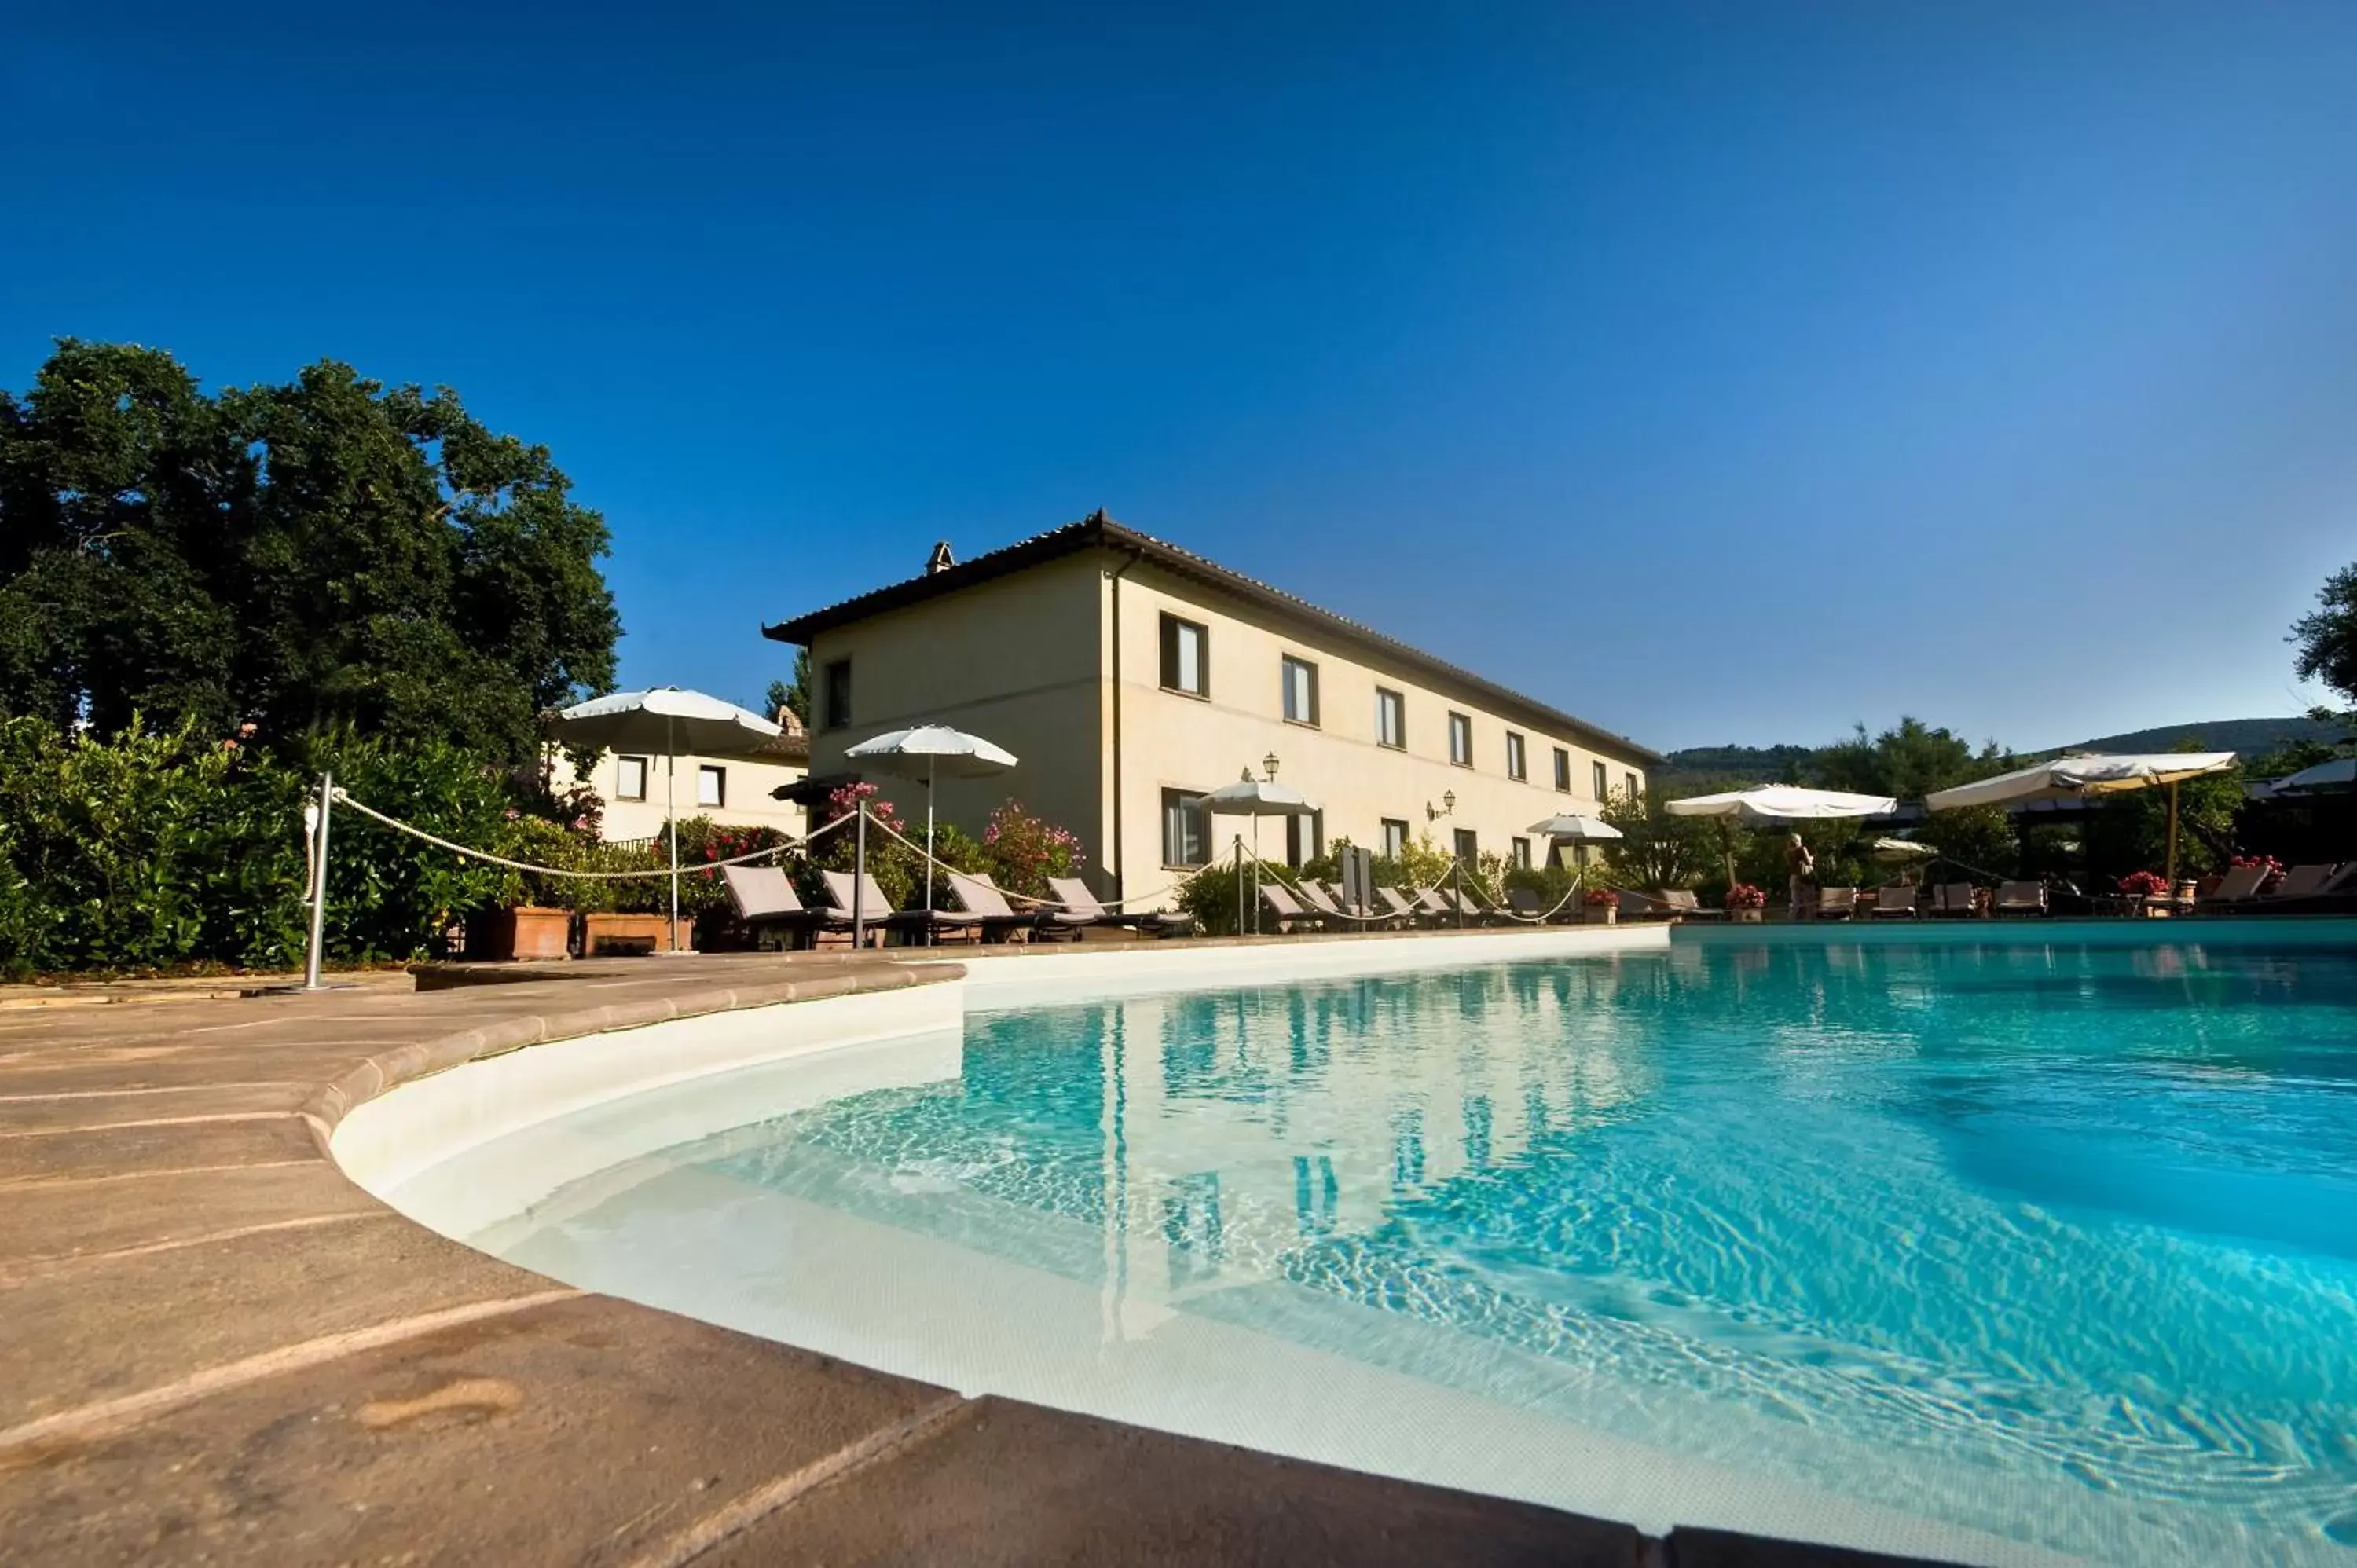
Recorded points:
1130,677
736,791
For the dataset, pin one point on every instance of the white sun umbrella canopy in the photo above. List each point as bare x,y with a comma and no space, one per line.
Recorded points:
669,721
2077,777
1898,850
1576,827
930,752
1255,798
1783,803
2325,777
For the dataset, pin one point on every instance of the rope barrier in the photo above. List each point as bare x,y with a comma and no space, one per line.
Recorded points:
341,799
1496,906
1008,891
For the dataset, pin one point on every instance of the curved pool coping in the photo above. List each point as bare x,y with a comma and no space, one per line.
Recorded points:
388,1143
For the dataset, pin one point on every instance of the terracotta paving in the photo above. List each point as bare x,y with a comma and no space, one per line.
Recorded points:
215,1348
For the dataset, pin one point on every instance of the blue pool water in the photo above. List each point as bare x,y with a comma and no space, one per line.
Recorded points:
2054,1243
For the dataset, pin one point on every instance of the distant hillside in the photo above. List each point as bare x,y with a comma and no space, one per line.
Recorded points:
1778,764
1750,764
2252,737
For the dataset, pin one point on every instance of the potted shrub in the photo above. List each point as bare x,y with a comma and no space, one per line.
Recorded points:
1601,905
1744,902
2150,888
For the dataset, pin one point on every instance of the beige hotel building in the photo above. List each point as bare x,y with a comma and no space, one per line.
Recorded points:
1130,677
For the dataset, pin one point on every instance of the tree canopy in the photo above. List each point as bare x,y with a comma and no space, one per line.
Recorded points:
325,551
2327,637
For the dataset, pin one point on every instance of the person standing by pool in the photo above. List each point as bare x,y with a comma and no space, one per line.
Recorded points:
1803,867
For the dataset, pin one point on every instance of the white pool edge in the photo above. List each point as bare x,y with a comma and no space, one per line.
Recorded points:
390,1146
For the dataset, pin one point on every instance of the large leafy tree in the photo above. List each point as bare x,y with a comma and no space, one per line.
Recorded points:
325,551
2327,637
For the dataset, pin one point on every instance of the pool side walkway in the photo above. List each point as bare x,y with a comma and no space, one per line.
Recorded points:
214,1348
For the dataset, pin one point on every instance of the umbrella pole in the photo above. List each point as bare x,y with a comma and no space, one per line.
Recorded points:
928,851
1256,907
671,820
1240,885
859,881
2172,839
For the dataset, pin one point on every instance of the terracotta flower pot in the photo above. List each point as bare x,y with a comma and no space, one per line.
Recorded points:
527,931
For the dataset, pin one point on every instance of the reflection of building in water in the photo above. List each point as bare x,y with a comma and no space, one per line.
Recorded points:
1239,1124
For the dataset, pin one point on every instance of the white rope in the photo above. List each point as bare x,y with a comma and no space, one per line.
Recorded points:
1004,892
341,799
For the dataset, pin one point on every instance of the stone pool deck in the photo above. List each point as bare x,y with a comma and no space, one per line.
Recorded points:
215,1348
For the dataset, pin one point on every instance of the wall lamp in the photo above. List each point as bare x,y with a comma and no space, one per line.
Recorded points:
1447,807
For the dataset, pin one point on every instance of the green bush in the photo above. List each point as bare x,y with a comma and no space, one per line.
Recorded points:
147,850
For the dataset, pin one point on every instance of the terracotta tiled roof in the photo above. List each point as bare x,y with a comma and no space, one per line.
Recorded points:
1098,532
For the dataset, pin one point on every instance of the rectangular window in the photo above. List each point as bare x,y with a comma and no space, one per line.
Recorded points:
838,693
711,786
1468,848
1184,666
1184,841
1634,788
630,778
1304,838
1395,838
1391,719
1563,770
1300,691
1517,764
1523,854
1601,781
1460,740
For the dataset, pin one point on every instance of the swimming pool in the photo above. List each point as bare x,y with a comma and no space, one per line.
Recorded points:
1985,1244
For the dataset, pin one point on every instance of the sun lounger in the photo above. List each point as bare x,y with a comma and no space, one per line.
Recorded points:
2337,895
1836,902
1074,895
1896,902
2302,882
1432,907
1952,900
1291,914
1527,906
978,895
764,898
1396,905
1325,905
2019,899
2239,885
877,911
1680,904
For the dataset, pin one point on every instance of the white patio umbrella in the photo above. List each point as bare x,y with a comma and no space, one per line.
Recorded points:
2076,777
668,721
2325,777
1896,852
1255,798
927,752
1577,827
1783,803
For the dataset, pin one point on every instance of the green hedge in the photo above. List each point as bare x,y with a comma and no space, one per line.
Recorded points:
149,851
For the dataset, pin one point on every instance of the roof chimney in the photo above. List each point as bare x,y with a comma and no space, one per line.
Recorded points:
940,560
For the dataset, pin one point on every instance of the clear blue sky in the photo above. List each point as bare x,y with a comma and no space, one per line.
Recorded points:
1722,374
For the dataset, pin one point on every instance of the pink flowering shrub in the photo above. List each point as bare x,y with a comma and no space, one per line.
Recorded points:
1743,896
2144,884
1023,851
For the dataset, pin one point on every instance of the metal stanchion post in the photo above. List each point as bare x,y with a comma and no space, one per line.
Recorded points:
316,949
859,881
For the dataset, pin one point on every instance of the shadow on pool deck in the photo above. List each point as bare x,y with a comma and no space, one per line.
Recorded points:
218,1349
